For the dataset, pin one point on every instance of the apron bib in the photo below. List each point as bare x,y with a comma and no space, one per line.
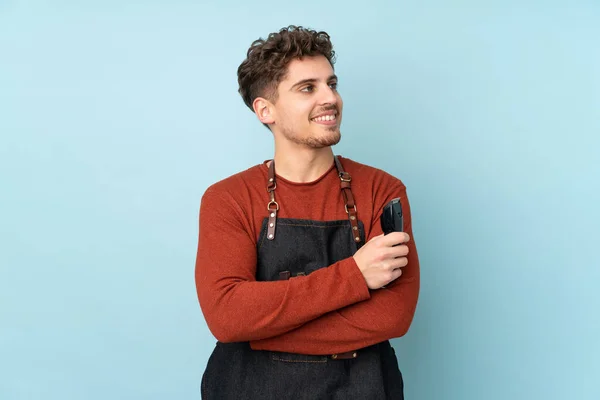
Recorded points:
289,247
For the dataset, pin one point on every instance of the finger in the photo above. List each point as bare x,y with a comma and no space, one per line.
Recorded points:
398,251
390,253
400,262
396,263
394,238
376,237
403,261
396,274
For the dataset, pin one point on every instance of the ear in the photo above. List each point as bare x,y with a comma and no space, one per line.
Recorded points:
264,110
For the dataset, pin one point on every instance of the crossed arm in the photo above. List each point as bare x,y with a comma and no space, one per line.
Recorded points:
387,314
328,311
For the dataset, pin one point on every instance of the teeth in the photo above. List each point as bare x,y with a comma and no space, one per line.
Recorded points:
325,118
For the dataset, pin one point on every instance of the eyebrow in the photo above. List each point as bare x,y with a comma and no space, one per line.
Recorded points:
312,80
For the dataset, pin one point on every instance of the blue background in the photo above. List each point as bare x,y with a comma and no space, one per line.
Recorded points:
115,117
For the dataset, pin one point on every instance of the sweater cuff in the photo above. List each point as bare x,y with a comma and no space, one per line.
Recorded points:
356,280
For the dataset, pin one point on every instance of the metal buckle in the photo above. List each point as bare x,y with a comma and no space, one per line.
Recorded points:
342,177
272,202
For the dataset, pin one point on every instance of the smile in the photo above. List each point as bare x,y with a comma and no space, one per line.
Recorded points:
324,118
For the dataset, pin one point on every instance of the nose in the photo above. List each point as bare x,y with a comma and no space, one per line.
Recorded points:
328,95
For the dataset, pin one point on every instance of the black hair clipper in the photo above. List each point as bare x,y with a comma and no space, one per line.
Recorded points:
391,218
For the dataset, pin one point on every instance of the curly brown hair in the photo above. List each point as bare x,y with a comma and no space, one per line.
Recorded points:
266,61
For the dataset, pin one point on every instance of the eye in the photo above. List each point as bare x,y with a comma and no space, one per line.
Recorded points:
307,89
333,85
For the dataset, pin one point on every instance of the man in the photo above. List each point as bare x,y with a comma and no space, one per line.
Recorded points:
294,276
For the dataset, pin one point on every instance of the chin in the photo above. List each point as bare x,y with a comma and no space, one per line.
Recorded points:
320,141
316,138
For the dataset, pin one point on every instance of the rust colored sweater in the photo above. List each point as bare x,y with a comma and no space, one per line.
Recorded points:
328,311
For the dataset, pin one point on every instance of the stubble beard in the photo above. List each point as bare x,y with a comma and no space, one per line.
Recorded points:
315,141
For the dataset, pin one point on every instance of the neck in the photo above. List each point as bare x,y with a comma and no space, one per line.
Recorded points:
302,165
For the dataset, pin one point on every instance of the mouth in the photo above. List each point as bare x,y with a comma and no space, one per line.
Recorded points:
327,119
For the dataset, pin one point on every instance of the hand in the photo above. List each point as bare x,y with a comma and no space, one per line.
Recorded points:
381,259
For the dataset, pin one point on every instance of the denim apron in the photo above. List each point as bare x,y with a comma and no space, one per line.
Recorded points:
235,371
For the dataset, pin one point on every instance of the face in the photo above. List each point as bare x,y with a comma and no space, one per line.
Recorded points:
308,108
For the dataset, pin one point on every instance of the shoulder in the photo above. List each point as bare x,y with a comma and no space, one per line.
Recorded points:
368,174
240,184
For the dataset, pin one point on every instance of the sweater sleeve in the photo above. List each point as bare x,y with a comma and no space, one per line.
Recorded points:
239,308
387,314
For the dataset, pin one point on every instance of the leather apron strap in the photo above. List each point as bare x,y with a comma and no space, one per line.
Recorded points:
349,206
272,207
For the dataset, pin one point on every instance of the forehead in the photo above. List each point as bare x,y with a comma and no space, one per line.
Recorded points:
317,67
